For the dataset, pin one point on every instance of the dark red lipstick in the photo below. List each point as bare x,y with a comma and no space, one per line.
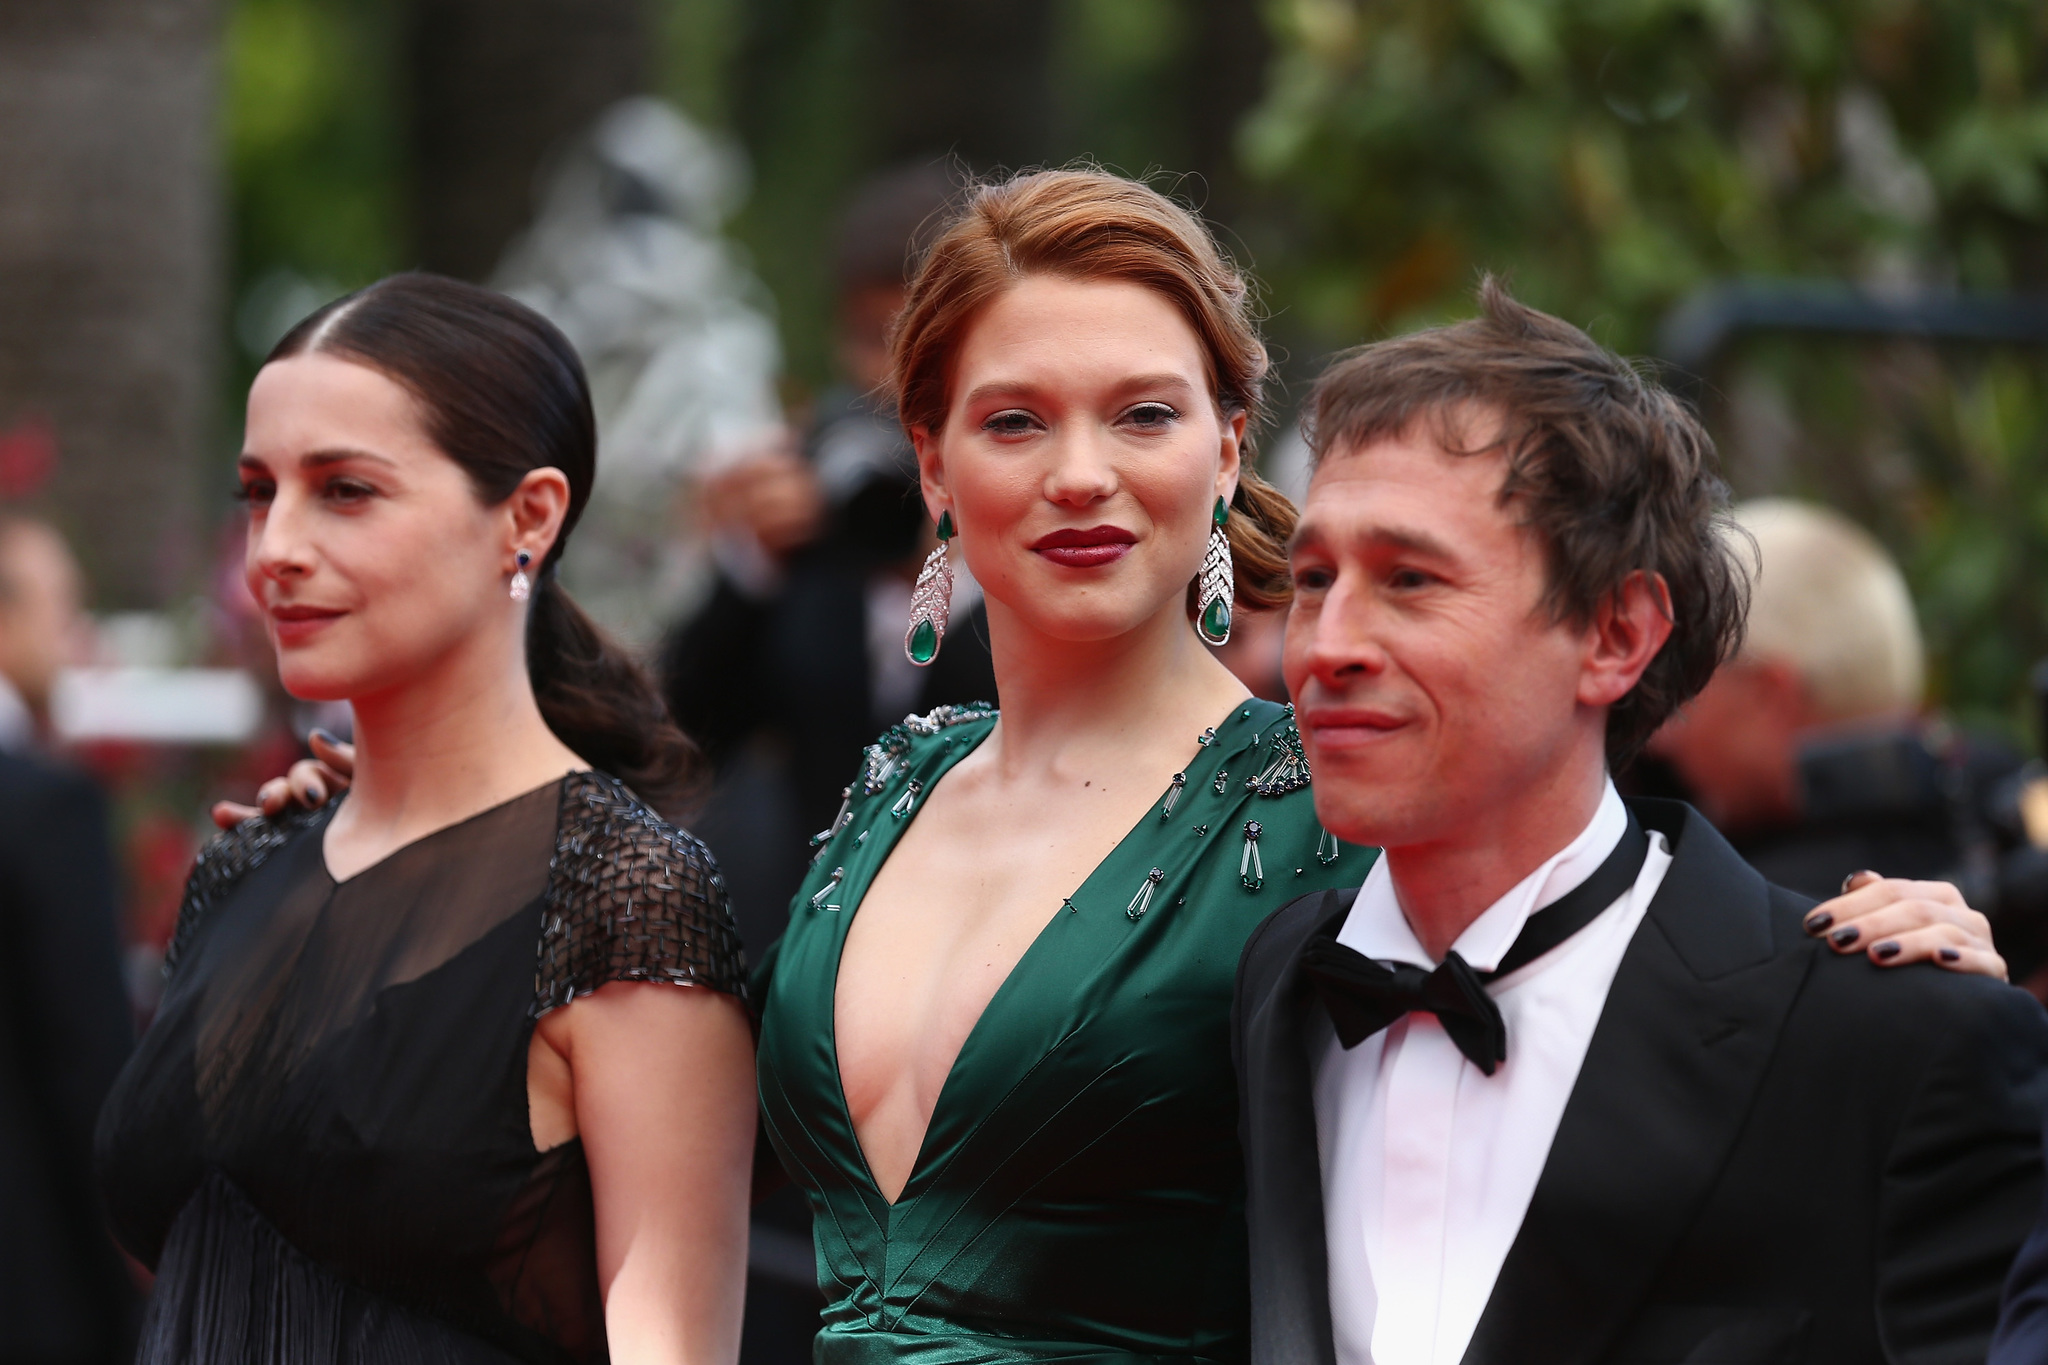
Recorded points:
1085,548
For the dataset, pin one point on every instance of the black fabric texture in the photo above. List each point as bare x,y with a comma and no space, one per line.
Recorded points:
65,1030
1772,1152
322,1145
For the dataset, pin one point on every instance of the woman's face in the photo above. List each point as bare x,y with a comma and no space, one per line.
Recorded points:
1082,455
369,551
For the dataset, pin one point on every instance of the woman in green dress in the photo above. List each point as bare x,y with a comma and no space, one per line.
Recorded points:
994,1046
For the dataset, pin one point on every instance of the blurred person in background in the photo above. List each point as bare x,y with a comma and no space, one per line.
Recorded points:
1810,750
797,658
65,1026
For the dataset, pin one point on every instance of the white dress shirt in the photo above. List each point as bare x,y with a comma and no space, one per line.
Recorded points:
1429,1164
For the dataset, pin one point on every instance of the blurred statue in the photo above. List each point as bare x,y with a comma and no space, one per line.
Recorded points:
626,257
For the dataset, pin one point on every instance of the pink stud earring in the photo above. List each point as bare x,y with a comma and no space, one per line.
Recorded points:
522,586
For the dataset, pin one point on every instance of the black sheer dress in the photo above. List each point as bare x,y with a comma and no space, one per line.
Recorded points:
322,1145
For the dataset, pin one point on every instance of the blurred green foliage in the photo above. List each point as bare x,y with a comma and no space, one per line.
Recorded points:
1613,156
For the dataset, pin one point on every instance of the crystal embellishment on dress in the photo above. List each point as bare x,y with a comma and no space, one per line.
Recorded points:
831,885
1222,783
1250,871
1207,737
1173,790
1326,847
931,601
1286,770
1142,902
1218,584
908,801
885,755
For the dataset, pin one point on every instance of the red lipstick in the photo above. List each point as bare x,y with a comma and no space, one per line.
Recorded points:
296,623
1085,549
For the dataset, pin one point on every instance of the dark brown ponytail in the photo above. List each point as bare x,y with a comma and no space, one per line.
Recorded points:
505,394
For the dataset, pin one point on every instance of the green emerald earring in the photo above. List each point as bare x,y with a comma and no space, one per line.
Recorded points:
1218,580
931,600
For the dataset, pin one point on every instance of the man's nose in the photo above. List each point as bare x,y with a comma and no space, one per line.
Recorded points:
1344,635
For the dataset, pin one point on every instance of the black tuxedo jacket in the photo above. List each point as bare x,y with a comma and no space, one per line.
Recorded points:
1772,1153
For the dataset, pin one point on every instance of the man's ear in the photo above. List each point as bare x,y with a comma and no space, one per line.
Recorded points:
1627,631
537,509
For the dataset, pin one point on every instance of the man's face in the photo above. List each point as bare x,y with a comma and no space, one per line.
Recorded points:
1434,689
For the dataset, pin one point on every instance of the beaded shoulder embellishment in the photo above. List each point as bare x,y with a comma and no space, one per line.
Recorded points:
221,865
1286,768
630,898
883,759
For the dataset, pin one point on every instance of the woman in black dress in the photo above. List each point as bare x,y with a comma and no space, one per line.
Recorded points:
422,1087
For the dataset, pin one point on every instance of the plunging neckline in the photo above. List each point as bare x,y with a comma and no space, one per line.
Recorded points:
1214,742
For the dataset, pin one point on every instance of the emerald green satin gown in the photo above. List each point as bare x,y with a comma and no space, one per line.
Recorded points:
1079,1195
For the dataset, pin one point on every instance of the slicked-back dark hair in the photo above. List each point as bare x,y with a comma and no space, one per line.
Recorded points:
1612,473
504,394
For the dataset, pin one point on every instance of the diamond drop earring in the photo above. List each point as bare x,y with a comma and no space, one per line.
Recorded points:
522,586
931,600
1218,580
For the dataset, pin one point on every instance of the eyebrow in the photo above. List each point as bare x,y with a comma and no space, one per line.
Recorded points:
981,392
320,459
1392,537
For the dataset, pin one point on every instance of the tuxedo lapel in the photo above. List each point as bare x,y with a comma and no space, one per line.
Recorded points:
1277,1121
1684,1039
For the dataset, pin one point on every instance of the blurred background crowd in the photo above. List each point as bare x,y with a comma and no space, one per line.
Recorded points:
1828,219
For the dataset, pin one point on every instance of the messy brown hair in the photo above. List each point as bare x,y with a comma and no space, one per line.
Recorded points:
1091,225
1612,473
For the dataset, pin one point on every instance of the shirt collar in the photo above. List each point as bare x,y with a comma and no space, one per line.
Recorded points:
1377,928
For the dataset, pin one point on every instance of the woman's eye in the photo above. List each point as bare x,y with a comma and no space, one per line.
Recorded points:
1151,416
256,492
1012,422
348,490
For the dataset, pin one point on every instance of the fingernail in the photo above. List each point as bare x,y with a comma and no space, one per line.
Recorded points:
1950,954
1845,936
1817,923
1850,880
317,733
1885,951
316,793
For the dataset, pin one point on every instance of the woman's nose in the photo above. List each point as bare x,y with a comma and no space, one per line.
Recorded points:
1082,470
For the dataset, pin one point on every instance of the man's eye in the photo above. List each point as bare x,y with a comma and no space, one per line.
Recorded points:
1151,416
1312,580
1009,423
1408,578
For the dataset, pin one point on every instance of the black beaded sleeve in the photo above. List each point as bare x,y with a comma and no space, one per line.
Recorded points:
631,898
227,858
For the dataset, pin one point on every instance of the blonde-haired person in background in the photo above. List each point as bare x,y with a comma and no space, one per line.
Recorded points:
1809,750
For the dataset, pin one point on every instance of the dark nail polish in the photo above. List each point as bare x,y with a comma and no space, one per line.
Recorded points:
1951,954
1845,936
1850,880
1817,923
1885,951
317,733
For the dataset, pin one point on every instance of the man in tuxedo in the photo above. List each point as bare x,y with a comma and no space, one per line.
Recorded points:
1565,1080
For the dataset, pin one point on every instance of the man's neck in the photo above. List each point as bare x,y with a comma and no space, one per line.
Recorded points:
1445,884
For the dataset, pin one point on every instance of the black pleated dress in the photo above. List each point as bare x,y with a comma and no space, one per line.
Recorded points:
322,1145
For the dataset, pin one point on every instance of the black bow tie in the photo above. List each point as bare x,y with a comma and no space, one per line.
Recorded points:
1364,995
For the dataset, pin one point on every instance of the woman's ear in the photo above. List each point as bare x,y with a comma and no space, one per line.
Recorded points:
931,471
1231,465
536,511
